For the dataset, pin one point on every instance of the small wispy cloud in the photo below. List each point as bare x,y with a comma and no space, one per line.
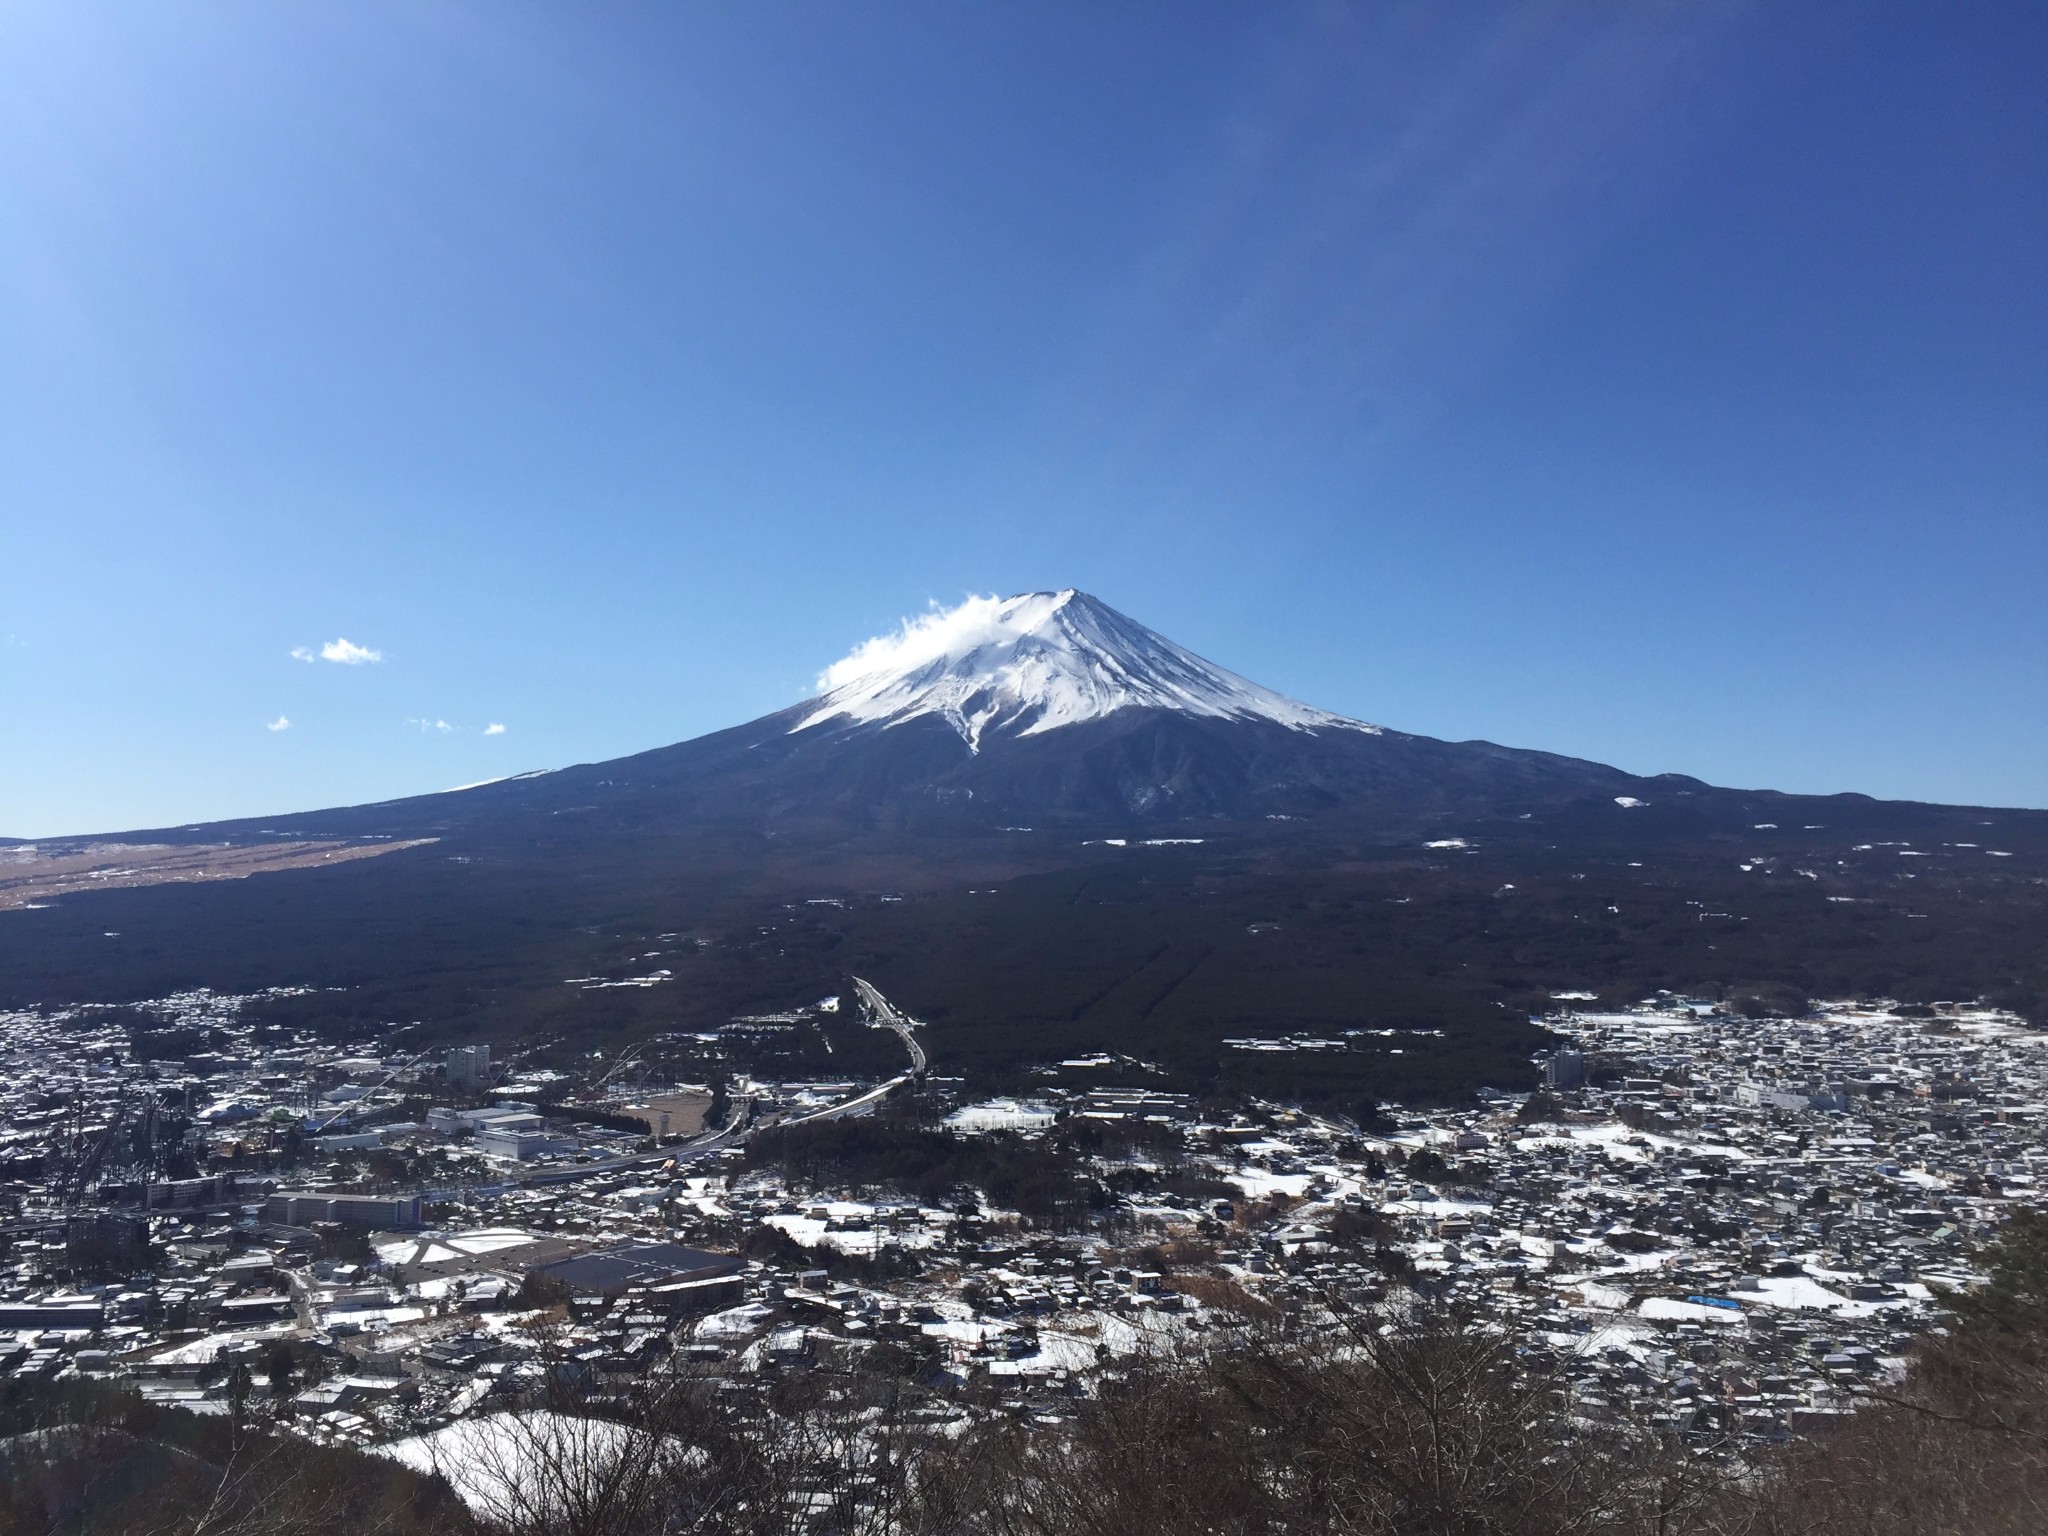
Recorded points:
342,651
494,729
281,723
430,725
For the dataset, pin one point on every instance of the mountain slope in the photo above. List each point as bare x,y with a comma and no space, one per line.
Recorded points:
1038,662
1045,709
1048,707
1050,831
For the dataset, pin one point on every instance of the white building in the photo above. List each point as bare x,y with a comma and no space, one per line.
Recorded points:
523,1143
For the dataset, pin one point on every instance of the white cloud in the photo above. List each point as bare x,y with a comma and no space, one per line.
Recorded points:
924,638
430,725
348,653
494,729
281,723
343,651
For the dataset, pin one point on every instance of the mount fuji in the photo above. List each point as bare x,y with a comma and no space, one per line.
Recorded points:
1047,708
1023,665
1054,833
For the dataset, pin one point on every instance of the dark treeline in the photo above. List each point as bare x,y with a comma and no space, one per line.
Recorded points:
89,1459
1414,1422
1159,954
1052,1179
1035,1177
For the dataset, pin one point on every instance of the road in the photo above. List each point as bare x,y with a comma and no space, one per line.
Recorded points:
882,1011
851,1106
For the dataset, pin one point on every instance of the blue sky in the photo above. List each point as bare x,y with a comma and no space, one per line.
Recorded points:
1664,384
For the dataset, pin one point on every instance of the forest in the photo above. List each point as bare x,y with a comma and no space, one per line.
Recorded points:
1159,954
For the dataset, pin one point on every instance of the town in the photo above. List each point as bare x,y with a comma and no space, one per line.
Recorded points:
1713,1225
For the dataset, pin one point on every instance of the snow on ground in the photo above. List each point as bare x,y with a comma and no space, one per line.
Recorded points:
1119,1335
1799,1293
1061,1350
439,1247
1621,1334
734,1322
1258,1184
1436,1207
1271,1147
205,1351
1670,1309
865,1236
1637,1263
1056,1352
498,1463
1623,1144
501,1323
1608,1298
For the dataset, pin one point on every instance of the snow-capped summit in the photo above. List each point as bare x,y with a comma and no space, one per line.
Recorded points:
1019,666
999,716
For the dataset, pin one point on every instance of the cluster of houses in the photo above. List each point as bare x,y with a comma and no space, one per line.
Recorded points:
1724,1226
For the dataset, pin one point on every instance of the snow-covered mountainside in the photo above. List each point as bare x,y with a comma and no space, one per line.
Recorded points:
1020,666
1025,711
